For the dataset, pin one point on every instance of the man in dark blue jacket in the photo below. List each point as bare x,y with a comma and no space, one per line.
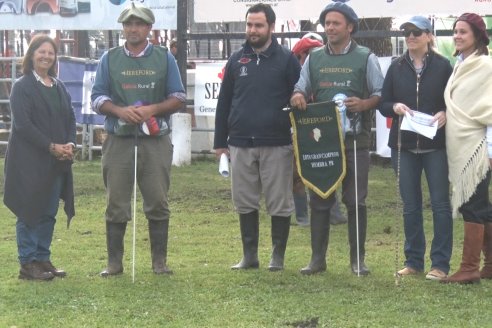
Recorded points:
252,128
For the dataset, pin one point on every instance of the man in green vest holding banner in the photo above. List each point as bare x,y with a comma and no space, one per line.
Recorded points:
348,72
137,87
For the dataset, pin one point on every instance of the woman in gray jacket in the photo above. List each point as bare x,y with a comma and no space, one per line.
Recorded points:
39,157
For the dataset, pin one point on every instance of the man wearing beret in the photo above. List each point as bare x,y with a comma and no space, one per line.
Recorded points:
344,69
137,88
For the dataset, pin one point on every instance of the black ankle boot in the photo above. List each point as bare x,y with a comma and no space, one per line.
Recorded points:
49,267
33,271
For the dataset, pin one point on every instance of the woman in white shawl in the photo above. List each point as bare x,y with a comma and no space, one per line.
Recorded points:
468,98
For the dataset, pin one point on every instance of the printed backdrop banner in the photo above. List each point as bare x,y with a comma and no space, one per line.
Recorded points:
79,14
78,76
319,147
208,79
235,10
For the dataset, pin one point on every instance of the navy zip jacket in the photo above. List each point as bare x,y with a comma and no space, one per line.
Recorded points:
400,86
254,90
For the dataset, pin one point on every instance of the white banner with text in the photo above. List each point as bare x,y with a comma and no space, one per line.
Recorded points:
235,10
208,79
79,14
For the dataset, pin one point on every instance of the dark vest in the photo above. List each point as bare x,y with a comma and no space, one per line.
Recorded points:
137,79
333,74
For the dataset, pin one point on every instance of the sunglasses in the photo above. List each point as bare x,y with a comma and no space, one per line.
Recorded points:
416,33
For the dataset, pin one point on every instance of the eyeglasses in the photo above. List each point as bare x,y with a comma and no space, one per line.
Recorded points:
416,33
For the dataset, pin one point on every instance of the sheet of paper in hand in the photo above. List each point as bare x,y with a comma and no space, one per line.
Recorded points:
318,146
420,123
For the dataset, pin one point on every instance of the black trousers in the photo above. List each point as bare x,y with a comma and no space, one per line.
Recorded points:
478,208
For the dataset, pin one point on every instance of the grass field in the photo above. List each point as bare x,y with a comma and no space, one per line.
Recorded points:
204,241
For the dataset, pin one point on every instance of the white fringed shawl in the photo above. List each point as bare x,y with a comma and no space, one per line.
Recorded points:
468,98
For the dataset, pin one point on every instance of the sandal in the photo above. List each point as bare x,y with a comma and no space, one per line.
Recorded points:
435,274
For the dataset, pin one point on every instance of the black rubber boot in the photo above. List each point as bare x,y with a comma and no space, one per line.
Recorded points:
158,233
320,233
358,268
280,235
249,224
300,202
336,215
115,235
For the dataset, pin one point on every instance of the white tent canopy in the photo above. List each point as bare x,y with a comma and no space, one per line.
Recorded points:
235,10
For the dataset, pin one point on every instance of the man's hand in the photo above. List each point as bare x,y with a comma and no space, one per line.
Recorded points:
355,104
220,151
297,100
131,114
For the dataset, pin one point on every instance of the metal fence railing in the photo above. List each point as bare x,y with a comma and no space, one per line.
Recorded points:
9,71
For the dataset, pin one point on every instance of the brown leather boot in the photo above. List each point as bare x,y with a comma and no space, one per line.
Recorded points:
49,267
486,272
470,263
32,271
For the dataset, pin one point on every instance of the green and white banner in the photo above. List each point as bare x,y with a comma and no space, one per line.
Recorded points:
319,147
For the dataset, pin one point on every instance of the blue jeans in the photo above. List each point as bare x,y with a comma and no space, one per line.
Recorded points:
435,166
34,241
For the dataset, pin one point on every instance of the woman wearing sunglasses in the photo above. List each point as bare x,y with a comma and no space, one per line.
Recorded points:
415,82
469,139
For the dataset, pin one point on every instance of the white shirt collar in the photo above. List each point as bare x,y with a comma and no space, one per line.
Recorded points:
345,50
128,53
39,79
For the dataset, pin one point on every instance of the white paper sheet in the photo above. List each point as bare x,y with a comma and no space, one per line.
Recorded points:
420,123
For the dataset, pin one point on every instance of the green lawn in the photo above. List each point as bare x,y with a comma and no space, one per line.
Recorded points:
204,292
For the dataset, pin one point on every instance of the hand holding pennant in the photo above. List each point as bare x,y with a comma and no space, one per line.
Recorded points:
319,147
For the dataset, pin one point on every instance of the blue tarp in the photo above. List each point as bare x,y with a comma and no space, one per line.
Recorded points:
78,76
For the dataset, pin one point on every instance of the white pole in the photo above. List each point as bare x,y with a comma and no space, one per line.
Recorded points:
356,204
354,121
134,206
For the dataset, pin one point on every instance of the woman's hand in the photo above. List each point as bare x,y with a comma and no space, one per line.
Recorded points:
401,109
440,117
62,152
